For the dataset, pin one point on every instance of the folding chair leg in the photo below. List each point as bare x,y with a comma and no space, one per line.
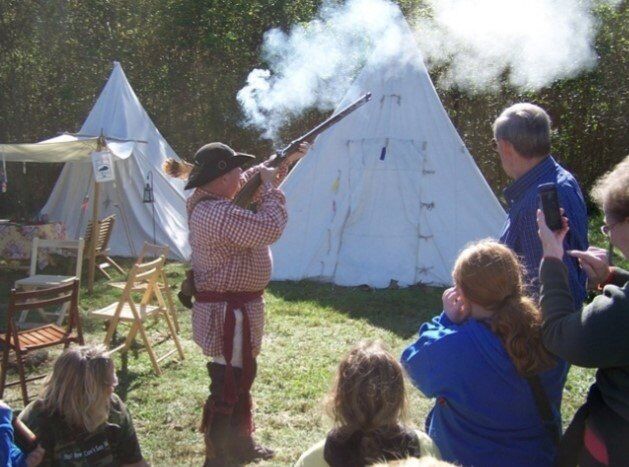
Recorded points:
20,369
115,265
104,272
149,349
3,370
171,304
173,334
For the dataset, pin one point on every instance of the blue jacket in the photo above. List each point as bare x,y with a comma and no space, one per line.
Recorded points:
10,454
485,414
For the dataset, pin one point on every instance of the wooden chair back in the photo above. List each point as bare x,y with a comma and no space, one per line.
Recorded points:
144,273
104,229
48,335
154,251
150,250
66,294
78,245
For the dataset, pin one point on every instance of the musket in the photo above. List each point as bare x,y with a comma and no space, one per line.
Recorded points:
246,193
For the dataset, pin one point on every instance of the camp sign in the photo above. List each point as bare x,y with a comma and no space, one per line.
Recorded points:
103,166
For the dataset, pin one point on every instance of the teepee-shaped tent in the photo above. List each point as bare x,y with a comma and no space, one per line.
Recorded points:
118,114
390,193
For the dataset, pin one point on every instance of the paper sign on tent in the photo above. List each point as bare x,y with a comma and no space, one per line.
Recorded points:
103,167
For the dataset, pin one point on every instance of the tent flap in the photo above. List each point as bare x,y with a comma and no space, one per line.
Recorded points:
62,149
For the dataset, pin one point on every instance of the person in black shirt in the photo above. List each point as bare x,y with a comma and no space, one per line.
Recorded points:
79,420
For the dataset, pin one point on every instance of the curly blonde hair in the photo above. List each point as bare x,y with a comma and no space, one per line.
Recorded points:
490,275
368,396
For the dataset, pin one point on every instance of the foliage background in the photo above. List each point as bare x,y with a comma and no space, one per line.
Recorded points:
186,59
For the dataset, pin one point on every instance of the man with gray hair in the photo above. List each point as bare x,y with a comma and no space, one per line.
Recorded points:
522,139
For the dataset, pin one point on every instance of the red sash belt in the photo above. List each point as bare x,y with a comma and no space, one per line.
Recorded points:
234,301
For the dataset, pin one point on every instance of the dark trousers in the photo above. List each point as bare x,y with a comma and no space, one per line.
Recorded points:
225,423
608,426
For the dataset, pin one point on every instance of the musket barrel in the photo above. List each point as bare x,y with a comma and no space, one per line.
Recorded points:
244,196
321,127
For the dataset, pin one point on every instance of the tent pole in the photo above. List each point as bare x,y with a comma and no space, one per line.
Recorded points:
124,220
95,233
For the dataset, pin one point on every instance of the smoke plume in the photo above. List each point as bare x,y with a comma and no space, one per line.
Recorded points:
531,42
535,41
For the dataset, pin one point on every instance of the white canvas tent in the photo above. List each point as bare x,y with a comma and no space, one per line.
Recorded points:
140,149
390,193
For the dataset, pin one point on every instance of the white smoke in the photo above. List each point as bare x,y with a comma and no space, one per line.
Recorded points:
313,64
532,42
535,41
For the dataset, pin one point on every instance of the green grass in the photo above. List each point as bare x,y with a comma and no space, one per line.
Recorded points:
309,327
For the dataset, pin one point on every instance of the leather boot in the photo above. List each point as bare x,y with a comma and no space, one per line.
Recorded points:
246,450
216,426
215,437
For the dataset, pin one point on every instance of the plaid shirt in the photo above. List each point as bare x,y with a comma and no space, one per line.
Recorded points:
230,253
520,230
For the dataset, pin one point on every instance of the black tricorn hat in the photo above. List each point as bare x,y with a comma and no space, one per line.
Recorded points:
213,160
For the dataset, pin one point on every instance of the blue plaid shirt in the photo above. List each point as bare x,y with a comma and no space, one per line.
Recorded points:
520,231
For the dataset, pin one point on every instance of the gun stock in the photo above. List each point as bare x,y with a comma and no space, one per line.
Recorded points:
246,193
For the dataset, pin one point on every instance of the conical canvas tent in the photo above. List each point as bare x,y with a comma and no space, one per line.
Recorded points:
119,115
390,193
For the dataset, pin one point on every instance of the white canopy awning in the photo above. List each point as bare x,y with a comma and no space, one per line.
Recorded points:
63,148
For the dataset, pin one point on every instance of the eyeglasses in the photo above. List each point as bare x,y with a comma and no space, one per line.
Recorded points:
607,228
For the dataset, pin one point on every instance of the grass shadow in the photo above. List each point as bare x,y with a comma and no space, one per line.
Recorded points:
400,311
127,380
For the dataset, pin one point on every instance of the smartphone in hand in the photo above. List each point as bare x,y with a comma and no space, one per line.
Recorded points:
549,201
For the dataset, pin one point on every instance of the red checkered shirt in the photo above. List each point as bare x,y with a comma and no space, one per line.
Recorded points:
230,253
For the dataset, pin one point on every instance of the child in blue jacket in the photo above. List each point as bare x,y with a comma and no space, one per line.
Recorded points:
10,454
475,358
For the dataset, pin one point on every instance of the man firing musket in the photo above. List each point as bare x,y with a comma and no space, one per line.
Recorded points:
231,266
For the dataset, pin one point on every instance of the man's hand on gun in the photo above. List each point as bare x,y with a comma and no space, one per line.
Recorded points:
301,152
268,174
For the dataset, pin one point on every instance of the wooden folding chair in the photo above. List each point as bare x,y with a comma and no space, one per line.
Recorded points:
41,281
150,250
22,342
104,228
126,309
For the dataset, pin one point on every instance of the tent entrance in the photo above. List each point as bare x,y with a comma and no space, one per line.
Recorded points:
385,177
